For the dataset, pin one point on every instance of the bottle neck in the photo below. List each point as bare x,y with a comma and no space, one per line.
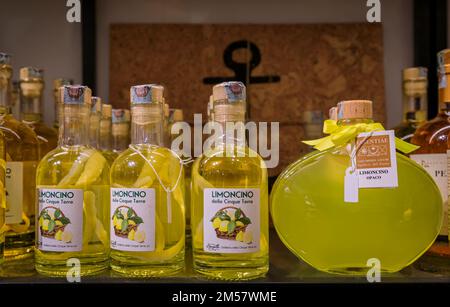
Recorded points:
94,129
147,125
105,134
233,131
120,136
31,100
57,108
74,126
5,89
415,107
444,91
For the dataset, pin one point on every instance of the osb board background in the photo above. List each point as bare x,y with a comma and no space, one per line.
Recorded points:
318,65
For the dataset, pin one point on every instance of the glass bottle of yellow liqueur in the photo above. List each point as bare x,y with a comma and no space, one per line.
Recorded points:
415,106
229,197
147,195
73,195
432,137
105,141
120,130
22,154
343,208
57,83
94,121
31,93
3,227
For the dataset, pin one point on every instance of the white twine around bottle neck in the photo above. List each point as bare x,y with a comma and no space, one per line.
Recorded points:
166,189
352,150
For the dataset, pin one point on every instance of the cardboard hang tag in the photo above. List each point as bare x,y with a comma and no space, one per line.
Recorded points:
374,164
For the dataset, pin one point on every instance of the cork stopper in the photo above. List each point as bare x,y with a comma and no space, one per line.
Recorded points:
231,91
96,104
143,115
332,113
75,94
176,115
28,74
120,116
415,80
354,109
146,94
229,113
106,110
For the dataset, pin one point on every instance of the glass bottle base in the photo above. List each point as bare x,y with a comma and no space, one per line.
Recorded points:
141,271
87,268
19,246
232,269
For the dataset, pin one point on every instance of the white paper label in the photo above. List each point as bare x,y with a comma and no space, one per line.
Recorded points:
231,220
351,187
436,166
133,219
376,160
14,192
60,220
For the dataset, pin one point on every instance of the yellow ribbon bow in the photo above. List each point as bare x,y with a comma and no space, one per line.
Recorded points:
341,135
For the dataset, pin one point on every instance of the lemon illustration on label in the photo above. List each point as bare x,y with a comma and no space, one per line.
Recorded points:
58,235
45,224
239,224
223,226
66,236
139,236
131,235
240,236
216,223
248,237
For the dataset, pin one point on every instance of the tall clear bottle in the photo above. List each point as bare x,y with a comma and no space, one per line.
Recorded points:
105,136
31,94
432,137
229,197
94,121
22,154
73,195
147,195
57,83
415,108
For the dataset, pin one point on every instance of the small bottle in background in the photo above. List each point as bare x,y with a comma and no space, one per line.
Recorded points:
31,95
415,106
105,135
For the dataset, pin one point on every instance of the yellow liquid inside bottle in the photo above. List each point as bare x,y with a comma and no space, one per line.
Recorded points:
130,170
78,167
393,225
22,150
3,227
236,169
110,156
